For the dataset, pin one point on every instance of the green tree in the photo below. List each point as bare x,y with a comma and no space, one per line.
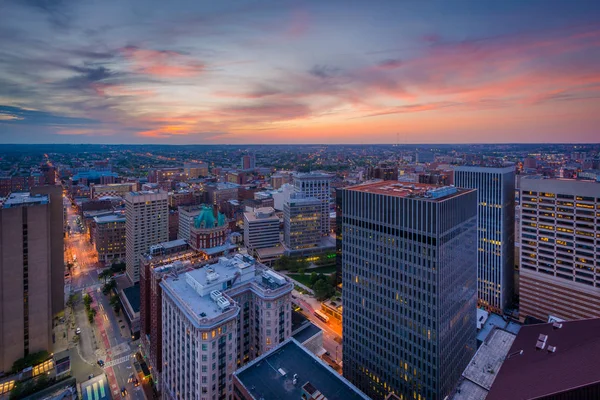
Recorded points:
302,271
115,304
105,274
87,301
313,279
91,314
322,289
71,301
108,286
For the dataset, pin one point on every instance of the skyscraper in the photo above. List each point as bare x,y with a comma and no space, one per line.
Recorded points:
261,229
410,287
26,298
248,161
147,218
301,222
495,231
316,185
560,233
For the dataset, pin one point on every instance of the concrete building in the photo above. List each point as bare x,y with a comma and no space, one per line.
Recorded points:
147,218
290,371
496,231
282,195
302,222
220,193
410,287
261,229
316,185
560,235
187,214
248,161
113,189
195,170
26,300
109,238
216,319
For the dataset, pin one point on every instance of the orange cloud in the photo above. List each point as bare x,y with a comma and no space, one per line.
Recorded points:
162,63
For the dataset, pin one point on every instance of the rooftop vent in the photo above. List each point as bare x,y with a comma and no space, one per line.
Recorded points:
551,349
215,294
556,325
282,371
222,302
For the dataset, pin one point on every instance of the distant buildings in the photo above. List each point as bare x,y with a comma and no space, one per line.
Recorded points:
109,238
113,189
220,193
147,218
496,231
26,277
290,371
195,170
559,273
222,316
248,161
410,287
302,222
316,185
261,229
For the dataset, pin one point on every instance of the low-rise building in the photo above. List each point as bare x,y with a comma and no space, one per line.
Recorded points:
261,229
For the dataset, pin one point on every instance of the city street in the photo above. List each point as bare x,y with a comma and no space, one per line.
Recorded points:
108,338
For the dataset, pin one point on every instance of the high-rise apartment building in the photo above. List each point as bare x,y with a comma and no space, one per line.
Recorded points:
302,222
248,161
220,193
113,189
215,319
187,214
147,218
495,231
560,238
26,286
261,229
410,287
316,185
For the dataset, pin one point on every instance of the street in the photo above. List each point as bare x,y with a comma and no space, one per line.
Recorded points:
108,337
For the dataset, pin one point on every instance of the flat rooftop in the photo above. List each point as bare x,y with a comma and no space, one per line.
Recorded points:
306,332
567,360
312,175
263,377
261,214
105,219
132,293
24,199
422,191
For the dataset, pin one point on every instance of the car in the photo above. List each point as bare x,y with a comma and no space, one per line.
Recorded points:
100,363
136,383
123,392
78,331
130,378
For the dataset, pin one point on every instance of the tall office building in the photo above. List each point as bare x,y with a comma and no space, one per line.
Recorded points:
560,235
26,286
410,287
302,222
248,161
261,229
147,218
109,238
316,185
217,318
495,231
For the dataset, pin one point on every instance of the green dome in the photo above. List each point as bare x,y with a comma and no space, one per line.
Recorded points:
206,219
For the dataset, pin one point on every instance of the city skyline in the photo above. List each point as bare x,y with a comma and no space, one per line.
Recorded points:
273,72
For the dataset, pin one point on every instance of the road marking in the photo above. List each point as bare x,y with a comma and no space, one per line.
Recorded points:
117,361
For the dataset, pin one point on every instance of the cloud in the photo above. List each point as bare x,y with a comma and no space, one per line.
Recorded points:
390,63
162,63
324,71
17,115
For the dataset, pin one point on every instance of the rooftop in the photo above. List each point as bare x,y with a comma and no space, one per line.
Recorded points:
24,199
263,213
105,219
312,175
484,366
271,376
555,357
409,190
306,332
132,293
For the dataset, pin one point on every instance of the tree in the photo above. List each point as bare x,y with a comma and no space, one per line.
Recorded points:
91,314
115,303
322,289
71,301
108,286
313,278
302,271
87,300
104,275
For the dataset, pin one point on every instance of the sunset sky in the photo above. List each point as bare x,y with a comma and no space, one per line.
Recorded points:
177,72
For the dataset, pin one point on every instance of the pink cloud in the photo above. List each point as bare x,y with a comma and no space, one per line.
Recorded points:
162,63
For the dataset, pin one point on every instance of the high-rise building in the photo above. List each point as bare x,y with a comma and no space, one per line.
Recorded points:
187,214
410,287
495,231
113,189
195,170
26,286
316,185
248,161
302,222
209,229
261,229
217,318
559,274
220,193
147,218
109,238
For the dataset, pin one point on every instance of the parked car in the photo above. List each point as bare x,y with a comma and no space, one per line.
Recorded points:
78,331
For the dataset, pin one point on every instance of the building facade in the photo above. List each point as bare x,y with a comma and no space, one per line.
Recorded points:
209,229
410,287
147,219
25,278
316,185
220,193
216,318
195,170
187,214
560,237
495,232
261,229
114,189
109,238
302,222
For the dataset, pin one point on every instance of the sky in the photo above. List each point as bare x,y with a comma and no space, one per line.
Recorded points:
328,71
